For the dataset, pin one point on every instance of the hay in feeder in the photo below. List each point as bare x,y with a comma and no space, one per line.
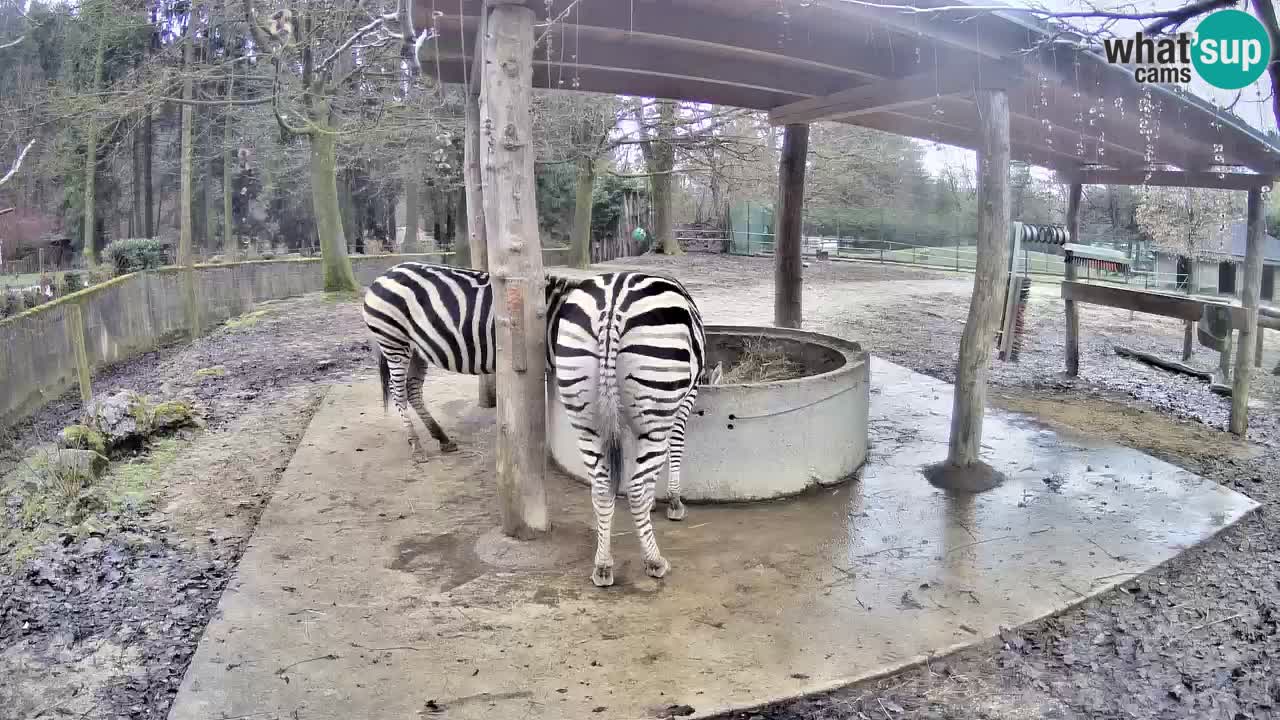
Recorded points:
761,361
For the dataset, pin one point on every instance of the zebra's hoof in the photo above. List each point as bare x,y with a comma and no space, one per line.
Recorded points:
676,511
448,447
658,569
603,576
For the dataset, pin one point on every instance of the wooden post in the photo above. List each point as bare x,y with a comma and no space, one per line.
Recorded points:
991,264
1257,352
788,228
1073,313
75,333
515,253
1249,298
488,396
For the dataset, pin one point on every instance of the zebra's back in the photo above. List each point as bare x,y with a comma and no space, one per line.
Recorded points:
443,313
638,334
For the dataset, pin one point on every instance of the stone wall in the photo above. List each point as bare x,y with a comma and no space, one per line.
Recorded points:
51,349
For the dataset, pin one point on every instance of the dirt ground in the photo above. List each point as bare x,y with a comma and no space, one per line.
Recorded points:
104,626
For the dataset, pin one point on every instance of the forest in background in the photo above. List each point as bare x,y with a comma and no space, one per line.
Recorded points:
231,129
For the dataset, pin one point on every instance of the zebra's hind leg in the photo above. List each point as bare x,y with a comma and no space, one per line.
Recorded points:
417,372
675,457
649,461
603,497
397,367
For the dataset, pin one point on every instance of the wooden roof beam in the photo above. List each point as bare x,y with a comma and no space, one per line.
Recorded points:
950,133
892,94
1167,178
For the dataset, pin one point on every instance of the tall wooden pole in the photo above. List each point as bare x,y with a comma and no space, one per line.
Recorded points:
1073,313
992,261
1249,298
787,238
515,252
488,396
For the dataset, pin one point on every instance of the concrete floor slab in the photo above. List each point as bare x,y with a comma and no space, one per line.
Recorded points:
377,588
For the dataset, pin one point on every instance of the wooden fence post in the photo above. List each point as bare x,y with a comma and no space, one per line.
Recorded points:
788,228
991,264
1249,298
1069,273
75,335
515,253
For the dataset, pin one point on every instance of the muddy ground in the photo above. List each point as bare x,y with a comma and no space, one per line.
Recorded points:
104,625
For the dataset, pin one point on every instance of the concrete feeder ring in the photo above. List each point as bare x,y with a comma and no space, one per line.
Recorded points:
763,440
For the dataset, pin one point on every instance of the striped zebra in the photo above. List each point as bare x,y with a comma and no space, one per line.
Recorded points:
628,355
423,315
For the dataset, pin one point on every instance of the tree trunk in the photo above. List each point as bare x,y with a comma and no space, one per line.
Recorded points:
515,250
458,221
91,157
338,276
580,246
1250,297
476,238
1188,328
992,263
186,230
148,201
412,200
1073,314
787,291
664,152
136,223
228,171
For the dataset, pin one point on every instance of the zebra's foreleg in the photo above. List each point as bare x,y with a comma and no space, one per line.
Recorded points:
398,366
675,457
417,372
649,460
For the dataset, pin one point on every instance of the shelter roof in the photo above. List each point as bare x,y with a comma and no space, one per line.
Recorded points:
876,65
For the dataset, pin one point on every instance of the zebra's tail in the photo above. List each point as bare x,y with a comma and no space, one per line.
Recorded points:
609,406
384,375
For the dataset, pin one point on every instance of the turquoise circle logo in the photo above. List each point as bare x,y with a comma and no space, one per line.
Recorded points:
1232,49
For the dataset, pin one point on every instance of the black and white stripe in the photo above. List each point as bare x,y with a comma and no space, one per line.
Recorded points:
628,354
423,315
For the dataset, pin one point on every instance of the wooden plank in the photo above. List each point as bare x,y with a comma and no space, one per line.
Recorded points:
892,94
1144,301
1167,178
1157,361
1249,299
787,290
487,395
1074,195
984,308
515,252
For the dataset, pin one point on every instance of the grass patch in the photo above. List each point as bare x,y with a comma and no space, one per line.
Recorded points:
130,487
64,502
216,371
247,320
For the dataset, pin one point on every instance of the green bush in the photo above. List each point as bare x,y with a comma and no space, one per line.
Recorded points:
134,254
11,303
32,297
72,282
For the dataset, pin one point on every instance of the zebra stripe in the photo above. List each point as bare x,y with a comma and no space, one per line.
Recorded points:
422,315
629,350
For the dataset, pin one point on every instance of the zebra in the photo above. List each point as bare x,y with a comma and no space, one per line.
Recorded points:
422,315
628,355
